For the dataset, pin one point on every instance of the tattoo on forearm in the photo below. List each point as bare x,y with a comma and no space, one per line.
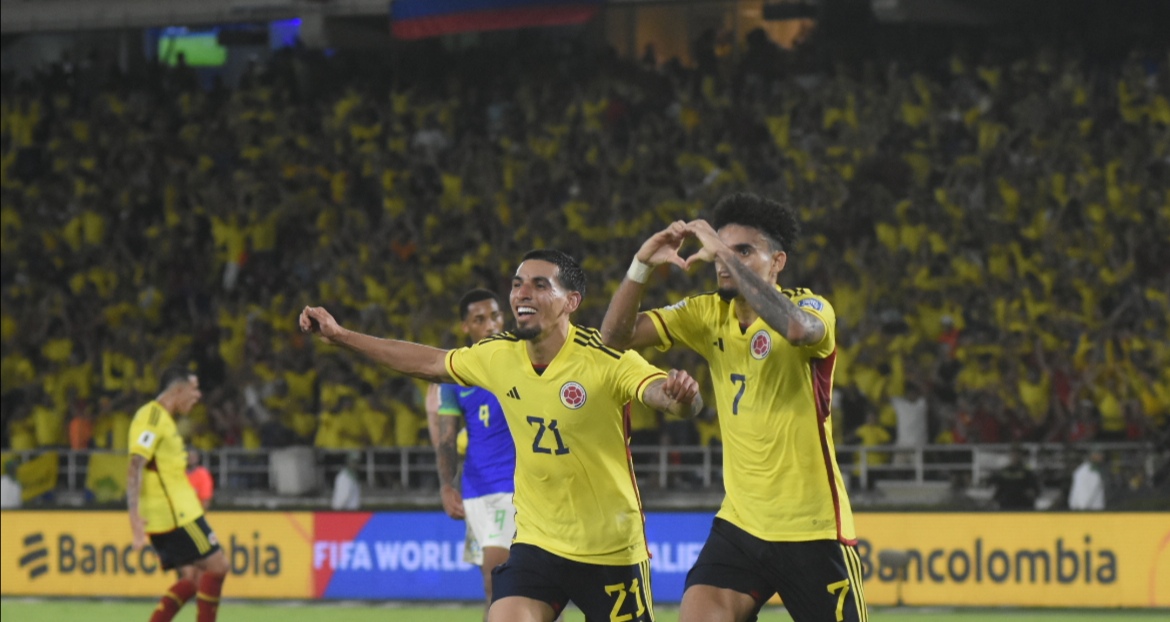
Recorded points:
778,310
134,482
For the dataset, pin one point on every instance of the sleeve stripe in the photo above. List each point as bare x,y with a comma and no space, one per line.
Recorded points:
598,346
451,368
642,385
661,322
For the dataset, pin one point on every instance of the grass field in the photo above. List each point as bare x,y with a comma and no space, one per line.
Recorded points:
31,610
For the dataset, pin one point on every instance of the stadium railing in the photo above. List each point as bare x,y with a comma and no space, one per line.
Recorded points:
659,468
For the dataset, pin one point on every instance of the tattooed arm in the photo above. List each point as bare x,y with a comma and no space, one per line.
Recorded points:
776,308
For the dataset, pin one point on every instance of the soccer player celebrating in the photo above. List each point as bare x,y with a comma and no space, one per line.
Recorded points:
579,525
785,524
486,497
163,504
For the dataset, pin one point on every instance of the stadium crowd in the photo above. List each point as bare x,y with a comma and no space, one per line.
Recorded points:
990,228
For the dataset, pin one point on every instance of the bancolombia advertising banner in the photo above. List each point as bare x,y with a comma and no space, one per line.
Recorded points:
1086,559
88,554
976,559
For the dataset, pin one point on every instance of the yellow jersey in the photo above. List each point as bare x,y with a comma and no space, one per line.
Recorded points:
167,500
576,495
774,401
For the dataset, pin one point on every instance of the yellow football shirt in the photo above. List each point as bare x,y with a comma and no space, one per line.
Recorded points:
773,398
167,500
576,496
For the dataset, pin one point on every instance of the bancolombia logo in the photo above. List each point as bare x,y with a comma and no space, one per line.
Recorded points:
75,556
35,556
1062,564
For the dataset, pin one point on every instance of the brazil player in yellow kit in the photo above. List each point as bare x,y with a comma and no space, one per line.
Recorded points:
164,506
785,525
580,533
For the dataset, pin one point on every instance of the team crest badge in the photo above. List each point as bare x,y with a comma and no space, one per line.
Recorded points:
761,344
573,395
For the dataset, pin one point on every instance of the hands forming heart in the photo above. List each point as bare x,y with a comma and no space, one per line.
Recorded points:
663,247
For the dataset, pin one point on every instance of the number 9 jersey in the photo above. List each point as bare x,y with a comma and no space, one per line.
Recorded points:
773,398
576,495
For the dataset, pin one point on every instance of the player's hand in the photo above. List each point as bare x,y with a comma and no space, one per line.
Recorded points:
137,531
452,501
662,247
318,320
680,387
705,234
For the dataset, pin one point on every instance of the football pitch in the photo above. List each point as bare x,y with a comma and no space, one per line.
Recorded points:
44,610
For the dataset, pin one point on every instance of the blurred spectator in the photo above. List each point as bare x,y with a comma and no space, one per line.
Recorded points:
1089,483
10,489
871,434
911,411
1016,486
80,426
200,478
347,492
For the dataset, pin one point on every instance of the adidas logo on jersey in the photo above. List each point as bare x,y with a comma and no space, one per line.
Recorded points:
514,394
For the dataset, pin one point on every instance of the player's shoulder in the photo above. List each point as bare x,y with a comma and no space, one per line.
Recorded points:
498,340
806,299
589,339
700,300
698,303
151,413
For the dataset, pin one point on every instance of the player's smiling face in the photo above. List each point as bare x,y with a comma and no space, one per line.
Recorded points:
483,319
538,300
755,250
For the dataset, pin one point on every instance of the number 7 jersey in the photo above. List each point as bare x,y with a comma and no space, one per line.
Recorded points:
576,495
773,398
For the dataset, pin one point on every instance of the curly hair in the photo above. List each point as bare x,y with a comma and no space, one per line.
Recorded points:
775,220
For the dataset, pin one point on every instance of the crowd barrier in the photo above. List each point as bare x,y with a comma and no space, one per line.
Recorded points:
988,559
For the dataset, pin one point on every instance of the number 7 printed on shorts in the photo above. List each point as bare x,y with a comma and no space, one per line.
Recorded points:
841,589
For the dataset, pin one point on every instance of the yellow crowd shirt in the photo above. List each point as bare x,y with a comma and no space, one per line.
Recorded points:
774,400
576,496
167,500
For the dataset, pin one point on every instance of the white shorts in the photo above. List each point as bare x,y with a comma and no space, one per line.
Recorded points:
491,521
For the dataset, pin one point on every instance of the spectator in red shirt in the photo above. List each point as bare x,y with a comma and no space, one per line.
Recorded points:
200,478
80,427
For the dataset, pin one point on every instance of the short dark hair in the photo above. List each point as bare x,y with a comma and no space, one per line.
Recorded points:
173,375
569,272
476,295
774,219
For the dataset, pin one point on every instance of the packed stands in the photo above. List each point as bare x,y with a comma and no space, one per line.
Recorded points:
990,227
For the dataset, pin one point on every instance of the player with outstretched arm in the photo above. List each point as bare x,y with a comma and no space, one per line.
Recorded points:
580,532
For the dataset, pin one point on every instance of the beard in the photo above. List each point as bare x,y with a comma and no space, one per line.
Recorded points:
727,294
527,334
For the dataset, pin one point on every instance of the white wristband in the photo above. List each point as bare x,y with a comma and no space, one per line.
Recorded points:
639,271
